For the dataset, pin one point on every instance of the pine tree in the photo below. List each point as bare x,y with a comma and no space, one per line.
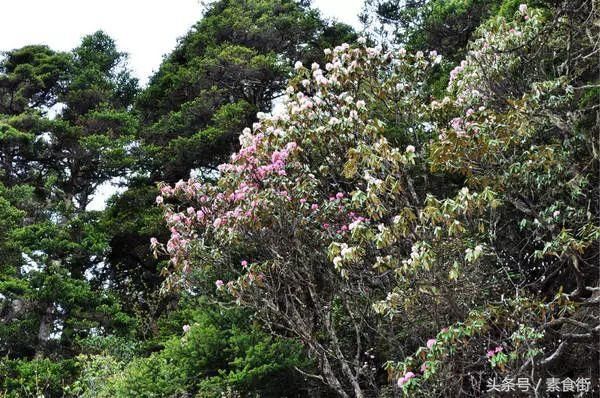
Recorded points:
64,129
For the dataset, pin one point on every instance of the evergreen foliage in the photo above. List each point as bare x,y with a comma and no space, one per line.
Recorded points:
305,212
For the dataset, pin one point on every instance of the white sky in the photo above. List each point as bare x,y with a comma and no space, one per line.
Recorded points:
146,29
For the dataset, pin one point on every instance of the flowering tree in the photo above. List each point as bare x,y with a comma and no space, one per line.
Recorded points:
516,121
316,175
468,234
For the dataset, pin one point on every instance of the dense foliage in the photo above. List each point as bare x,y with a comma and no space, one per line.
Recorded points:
80,307
306,213
52,162
233,63
479,229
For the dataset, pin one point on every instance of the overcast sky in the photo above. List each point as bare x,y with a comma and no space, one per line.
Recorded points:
146,29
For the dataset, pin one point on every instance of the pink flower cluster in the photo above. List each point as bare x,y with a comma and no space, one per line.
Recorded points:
404,379
491,352
249,160
456,71
271,174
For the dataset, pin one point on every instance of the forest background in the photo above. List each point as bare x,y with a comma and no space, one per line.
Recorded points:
458,138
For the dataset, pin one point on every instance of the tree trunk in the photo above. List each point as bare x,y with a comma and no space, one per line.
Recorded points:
45,330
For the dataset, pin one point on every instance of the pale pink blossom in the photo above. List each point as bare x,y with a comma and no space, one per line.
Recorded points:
405,378
493,351
523,9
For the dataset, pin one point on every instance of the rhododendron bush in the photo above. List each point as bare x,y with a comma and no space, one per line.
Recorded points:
465,250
